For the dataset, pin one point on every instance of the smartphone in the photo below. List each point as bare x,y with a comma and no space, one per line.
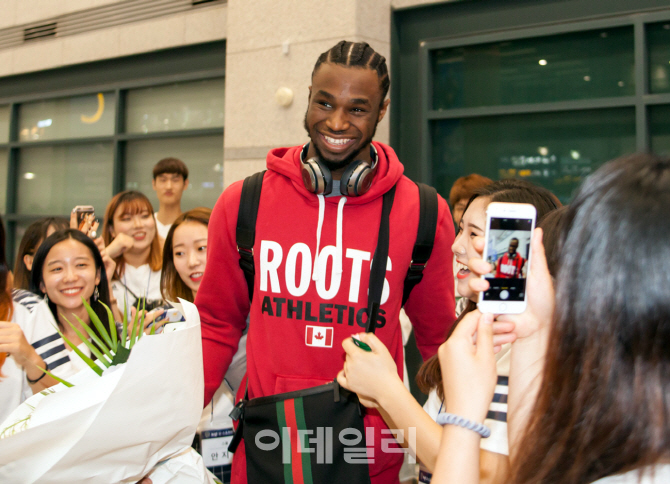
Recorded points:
509,228
82,212
171,315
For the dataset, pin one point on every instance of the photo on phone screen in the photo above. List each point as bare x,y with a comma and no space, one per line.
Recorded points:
508,248
82,211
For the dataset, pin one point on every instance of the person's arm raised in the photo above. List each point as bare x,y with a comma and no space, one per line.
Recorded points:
469,377
13,341
532,331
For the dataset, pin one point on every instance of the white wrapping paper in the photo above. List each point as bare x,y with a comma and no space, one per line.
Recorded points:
115,428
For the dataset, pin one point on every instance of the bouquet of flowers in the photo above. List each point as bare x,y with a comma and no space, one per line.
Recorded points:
120,422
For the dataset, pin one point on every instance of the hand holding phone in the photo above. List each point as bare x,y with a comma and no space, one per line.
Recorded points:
171,315
509,227
83,213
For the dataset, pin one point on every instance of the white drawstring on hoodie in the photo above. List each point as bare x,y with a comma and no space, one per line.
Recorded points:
337,260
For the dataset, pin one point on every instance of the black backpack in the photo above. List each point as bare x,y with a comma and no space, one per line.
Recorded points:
246,232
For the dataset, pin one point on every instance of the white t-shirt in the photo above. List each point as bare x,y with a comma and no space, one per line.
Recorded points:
137,282
661,475
38,328
162,229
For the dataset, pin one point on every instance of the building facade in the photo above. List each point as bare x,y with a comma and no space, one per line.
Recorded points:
94,92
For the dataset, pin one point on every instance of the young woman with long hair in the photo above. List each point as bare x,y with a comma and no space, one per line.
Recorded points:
593,406
30,339
397,406
67,269
185,255
603,405
131,239
184,264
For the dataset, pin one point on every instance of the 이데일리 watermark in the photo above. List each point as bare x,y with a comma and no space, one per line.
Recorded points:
320,442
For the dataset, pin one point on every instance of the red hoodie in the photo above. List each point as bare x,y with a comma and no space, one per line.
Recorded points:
300,316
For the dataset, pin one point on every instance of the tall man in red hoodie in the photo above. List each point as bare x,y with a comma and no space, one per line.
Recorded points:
313,251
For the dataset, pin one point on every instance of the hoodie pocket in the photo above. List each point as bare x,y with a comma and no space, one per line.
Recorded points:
285,384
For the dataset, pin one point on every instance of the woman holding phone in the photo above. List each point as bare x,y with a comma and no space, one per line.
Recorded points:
131,239
375,378
592,406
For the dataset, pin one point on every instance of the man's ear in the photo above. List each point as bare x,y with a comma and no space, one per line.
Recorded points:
382,110
28,261
185,184
153,184
309,95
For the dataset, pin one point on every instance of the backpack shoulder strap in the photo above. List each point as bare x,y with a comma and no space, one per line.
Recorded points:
425,237
245,234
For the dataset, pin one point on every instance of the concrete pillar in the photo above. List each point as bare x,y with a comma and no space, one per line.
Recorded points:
273,44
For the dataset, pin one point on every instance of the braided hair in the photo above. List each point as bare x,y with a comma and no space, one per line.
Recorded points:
357,54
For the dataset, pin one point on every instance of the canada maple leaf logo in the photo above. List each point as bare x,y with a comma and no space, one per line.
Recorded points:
319,336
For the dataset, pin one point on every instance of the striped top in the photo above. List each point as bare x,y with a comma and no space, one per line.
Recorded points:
496,419
46,340
25,298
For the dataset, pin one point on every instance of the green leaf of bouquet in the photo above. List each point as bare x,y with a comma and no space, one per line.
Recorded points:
132,334
124,330
87,342
112,326
121,355
98,324
153,329
59,380
140,331
81,355
95,338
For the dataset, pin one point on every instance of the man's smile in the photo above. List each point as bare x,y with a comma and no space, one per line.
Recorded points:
336,144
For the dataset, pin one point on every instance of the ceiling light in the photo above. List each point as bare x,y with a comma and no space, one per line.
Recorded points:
28,175
542,62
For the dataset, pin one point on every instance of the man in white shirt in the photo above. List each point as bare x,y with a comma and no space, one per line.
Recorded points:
170,181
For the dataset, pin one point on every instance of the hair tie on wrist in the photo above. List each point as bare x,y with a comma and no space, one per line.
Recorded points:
32,382
453,419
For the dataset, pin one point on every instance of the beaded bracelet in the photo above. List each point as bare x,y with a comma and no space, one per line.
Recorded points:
452,419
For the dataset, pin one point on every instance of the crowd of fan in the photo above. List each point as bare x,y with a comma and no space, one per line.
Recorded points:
583,373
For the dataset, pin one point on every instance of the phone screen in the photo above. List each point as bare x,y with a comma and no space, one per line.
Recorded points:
508,250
